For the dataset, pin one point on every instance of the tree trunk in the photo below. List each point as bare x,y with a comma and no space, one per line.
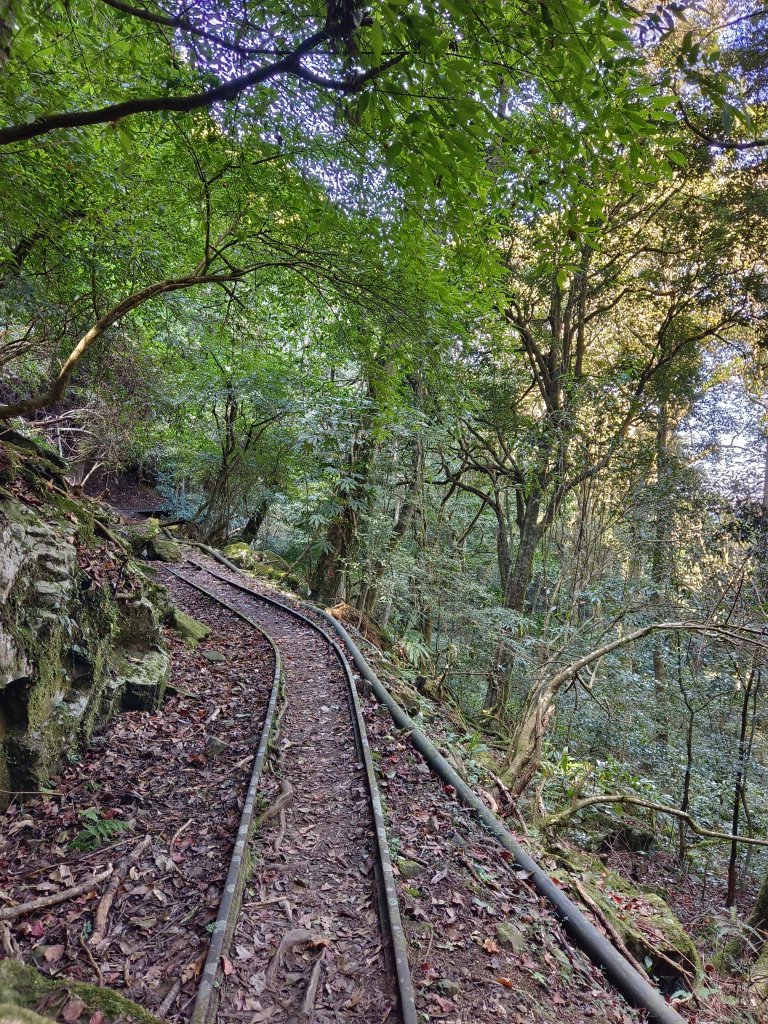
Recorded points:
329,578
533,720
519,578
403,519
660,563
6,31
255,522
730,897
516,583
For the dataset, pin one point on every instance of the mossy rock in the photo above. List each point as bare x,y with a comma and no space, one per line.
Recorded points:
657,916
22,987
186,626
165,550
142,680
264,564
406,697
10,463
409,868
69,651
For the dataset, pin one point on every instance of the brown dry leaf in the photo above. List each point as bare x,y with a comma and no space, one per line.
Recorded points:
506,982
73,1011
226,966
97,1018
490,946
193,970
54,953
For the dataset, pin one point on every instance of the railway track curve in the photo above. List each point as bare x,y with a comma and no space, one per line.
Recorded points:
635,988
307,711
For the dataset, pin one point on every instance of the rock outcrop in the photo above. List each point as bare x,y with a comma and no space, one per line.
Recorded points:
80,634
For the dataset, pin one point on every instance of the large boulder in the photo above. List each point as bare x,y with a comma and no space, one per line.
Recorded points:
79,637
148,540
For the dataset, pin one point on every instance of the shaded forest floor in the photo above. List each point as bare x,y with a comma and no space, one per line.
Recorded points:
155,786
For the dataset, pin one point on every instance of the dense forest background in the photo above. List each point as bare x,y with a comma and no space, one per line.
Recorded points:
461,311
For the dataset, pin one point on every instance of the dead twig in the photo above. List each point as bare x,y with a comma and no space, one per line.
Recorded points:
265,903
292,938
105,905
172,843
169,1000
308,1003
91,961
43,902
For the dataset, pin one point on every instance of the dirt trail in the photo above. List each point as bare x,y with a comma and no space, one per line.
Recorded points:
309,935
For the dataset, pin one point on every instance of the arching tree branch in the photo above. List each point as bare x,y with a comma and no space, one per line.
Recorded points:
289,65
554,820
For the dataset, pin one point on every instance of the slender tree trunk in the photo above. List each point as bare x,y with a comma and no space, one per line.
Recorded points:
329,578
738,786
685,802
519,574
6,31
403,519
255,522
660,564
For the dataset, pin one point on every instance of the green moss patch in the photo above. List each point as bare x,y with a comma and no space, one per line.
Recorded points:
24,991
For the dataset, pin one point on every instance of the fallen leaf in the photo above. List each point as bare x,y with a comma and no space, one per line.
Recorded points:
73,1011
54,953
226,966
490,946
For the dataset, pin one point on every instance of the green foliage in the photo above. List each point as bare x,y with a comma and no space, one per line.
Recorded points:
97,830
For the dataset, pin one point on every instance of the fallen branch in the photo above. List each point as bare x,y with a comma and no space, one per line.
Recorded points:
43,902
616,939
308,1003
105,905
554,820
89,956
169,1000
292,938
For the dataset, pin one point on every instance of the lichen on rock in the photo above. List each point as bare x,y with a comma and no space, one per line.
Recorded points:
79,635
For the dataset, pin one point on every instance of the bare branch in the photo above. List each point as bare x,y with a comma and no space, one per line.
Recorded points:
555,820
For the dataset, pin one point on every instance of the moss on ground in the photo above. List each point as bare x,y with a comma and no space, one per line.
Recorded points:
22,987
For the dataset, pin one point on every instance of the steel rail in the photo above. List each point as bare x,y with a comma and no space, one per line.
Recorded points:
389,908
206,1001
638,990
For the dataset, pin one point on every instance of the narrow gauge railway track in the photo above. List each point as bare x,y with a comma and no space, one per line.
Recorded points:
325,884
635,987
